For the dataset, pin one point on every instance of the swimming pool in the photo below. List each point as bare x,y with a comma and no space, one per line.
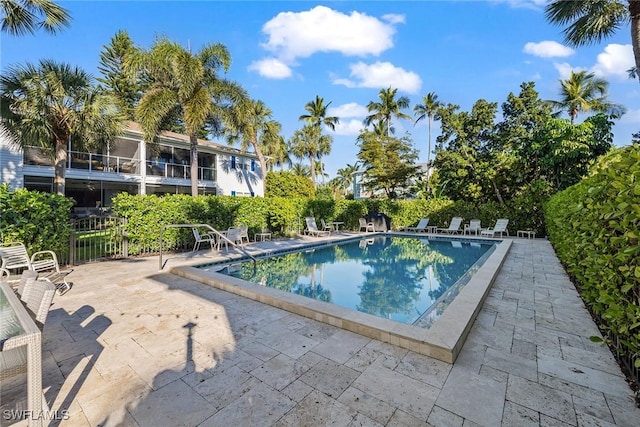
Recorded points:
443,339
408,279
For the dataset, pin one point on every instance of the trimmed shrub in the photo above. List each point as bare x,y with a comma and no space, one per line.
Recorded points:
594,227
39,220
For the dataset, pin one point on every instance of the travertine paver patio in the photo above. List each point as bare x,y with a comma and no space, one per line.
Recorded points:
130,345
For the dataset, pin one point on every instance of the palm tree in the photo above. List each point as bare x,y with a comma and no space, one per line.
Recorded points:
299,169
429,109
309,142
590,22
277,154
318,114
53,104
250,124
20,17
183,83
345,176
583,91
387,107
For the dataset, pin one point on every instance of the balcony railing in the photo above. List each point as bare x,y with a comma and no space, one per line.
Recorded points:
117,164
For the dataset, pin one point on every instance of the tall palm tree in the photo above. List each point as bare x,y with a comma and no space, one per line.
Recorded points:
309,142
185,83
387,107
429,109
277,154
345,176
20,17
250,124
52,104
588,22
317,116
582,92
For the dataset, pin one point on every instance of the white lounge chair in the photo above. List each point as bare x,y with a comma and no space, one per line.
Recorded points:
203,238
420,228
473,227
244,233
312,228
367,226
500,227
454,226
14,256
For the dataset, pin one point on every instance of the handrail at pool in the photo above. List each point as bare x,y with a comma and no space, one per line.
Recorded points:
219,234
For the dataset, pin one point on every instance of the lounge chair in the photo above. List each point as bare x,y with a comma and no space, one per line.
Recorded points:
14,256
420,228
454,226
312,228
473,227
203,238
367,226
500,227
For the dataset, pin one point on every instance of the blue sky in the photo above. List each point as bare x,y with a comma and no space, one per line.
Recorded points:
286,53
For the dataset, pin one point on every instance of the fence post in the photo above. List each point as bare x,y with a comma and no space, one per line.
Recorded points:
125,239
72,244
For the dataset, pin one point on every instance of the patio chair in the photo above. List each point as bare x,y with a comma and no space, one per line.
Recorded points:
454,226
244,233
203,238
325,226
312,228
500,227
233,235
473,227
14,256
13,361
368,226
420,228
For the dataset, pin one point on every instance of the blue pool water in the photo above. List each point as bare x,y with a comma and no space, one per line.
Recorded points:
406,279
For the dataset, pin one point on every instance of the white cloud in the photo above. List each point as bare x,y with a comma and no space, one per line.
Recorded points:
393,18
294,35
271,68
547,49
381,75
351,109
525,4
565,69
615,61
349,127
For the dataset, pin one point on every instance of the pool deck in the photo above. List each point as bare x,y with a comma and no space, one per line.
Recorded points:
134,346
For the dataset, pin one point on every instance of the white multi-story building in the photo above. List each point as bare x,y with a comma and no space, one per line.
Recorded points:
130,165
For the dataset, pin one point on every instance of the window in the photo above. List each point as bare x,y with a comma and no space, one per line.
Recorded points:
253,165
233,162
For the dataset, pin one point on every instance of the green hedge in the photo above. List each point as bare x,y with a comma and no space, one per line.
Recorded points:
285,216
39,220
594,227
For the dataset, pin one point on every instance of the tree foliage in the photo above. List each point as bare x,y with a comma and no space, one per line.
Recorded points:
286,184
389,163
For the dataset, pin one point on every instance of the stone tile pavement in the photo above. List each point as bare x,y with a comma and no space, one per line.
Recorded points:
132,346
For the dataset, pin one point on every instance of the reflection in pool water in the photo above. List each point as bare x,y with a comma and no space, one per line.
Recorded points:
406,279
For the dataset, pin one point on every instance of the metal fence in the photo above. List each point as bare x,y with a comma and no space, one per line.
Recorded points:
98,238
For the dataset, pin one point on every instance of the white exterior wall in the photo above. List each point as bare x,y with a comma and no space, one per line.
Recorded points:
241,180
11,164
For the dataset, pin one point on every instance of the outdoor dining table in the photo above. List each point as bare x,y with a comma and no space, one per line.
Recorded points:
17,329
